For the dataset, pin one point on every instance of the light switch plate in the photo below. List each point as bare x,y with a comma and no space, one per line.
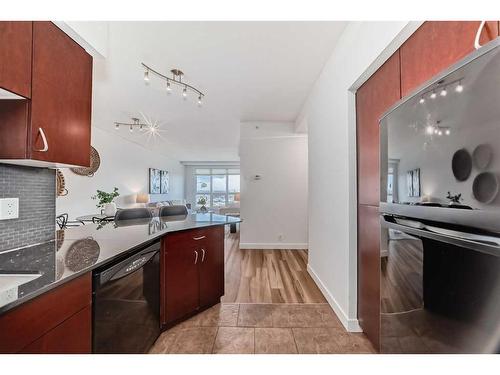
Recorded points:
9,208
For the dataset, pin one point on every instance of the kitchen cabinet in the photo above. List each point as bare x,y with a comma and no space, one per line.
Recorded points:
53,128
369,272
212,268
58,321
435,46
73,336
15,57
377,95
192,272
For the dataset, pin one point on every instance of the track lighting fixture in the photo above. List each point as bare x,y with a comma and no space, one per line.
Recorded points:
442,88
176,79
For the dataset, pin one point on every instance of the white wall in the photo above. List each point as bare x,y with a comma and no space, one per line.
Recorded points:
274,208
123,164
361,49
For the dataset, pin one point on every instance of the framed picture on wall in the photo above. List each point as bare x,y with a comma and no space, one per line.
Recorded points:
165,184
154,181
413,182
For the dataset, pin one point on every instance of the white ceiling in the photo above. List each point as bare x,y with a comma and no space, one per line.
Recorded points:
249,71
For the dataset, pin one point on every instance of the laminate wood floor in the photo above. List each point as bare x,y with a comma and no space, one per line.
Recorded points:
401,276
267,276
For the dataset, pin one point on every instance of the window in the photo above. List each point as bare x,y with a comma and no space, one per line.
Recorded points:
219,186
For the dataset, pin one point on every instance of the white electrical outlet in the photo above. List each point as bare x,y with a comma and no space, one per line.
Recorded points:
9,208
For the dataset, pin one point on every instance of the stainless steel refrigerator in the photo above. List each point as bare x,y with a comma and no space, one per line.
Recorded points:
440,212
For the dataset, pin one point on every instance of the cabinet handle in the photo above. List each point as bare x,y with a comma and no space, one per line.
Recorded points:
202,255
44,139
199,238
195,257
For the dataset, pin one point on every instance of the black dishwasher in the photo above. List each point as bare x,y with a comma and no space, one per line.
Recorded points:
126,303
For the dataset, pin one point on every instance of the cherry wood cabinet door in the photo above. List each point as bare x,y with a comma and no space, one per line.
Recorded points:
73,336
15,56
212,267
369,272
32,320
181,276
378,94
435,46
61,97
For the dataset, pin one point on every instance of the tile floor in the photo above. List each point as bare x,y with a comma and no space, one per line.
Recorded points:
231,328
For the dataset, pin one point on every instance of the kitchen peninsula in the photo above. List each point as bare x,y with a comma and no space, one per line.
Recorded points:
47,295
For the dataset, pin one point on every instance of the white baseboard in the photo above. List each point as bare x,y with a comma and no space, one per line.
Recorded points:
351,325
271,246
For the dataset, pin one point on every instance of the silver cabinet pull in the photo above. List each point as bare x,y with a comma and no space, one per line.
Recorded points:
199,238
44,139
195,257
202,255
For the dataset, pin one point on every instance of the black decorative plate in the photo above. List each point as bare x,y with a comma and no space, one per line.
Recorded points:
461,164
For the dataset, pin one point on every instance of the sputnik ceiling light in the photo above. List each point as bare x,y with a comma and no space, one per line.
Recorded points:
176,79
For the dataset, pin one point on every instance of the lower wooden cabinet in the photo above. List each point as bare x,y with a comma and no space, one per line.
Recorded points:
192,275
73,336
369,272
58,321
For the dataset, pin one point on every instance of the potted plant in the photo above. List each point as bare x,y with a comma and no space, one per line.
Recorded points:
202,201
106,201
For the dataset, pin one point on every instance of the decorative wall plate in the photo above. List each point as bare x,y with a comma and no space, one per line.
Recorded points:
82,254
95,162
485,187
60,184
461,164
482,156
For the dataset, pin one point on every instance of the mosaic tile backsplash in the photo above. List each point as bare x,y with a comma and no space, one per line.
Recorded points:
36,190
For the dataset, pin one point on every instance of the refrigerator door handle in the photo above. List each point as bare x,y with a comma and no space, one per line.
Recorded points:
483,244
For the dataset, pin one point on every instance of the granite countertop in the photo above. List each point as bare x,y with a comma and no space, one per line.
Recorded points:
30,271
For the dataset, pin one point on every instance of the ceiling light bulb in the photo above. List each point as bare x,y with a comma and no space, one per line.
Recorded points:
459,88
131,128
199,100
153,129
440,132
447,132
169,89
184,93
422,100
117,126
429,129
146,76
140,128
433,95
443,92
436,131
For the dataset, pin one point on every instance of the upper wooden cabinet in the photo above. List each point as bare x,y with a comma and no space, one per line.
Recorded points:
61,102
15,57
379,93
435,46
57,119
